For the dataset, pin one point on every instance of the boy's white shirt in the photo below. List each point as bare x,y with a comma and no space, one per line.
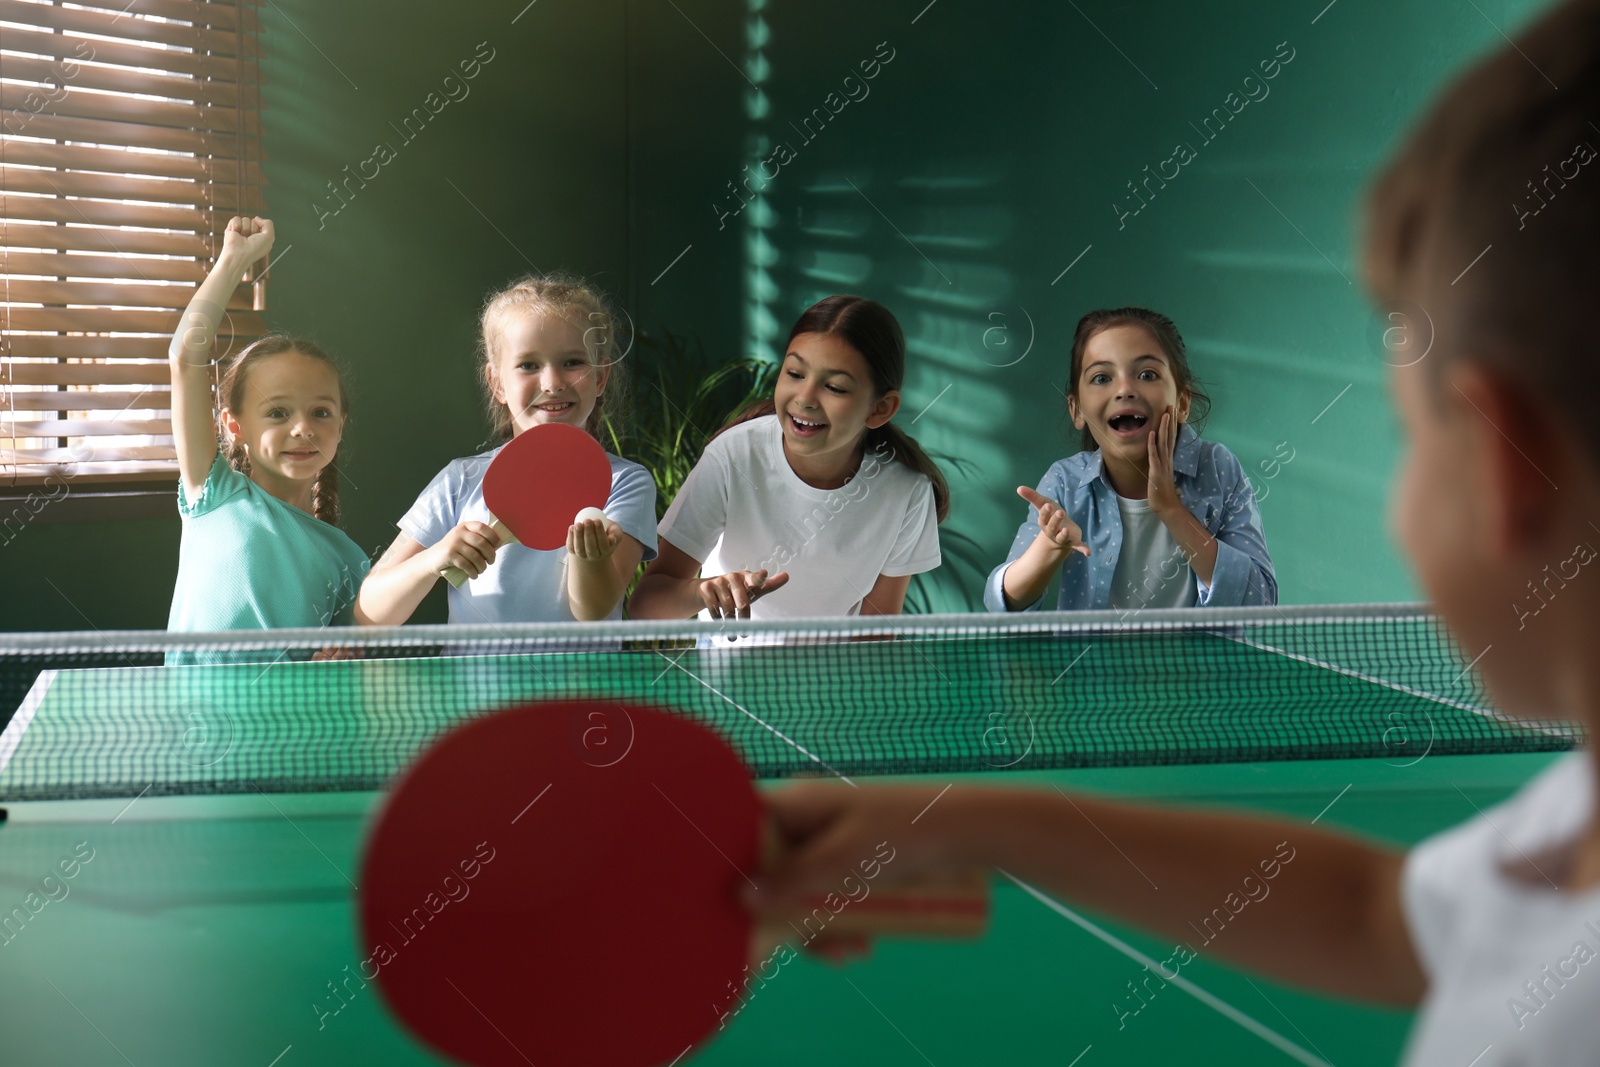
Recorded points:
1513,967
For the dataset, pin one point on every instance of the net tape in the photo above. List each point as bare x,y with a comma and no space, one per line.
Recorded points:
102,715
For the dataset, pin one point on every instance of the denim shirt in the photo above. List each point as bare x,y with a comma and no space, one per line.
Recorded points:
1211,483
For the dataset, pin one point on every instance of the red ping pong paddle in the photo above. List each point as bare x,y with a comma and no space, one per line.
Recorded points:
559,884
538,482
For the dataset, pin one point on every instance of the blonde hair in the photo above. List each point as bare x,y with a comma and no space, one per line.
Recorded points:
575,302
230,397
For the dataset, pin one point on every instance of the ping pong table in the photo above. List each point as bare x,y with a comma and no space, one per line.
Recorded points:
216,814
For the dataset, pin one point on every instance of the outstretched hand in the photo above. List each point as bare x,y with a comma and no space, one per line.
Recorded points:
248,237
1054,524
729,596
593,539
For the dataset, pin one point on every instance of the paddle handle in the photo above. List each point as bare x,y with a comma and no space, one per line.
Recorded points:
458,577
948,907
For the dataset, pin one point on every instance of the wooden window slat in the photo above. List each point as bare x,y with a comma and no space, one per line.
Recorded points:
119,53
129,373
198,38
114,320
22,100
41,457
220,197
52,68
49,428
130,135
122,161
130,294
91,400
218,14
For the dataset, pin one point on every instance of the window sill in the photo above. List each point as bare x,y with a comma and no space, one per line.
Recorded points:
63,502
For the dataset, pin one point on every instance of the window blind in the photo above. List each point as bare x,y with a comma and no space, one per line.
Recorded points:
129,134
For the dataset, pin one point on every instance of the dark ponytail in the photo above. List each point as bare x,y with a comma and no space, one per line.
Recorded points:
869,328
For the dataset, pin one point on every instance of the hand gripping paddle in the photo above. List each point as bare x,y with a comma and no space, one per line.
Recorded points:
537,484
559,884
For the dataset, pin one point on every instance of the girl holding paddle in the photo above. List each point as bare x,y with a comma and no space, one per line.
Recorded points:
548,357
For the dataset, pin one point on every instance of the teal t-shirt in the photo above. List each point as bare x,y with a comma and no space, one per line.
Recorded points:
248,561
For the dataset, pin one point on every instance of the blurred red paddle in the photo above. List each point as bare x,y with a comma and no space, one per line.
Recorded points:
538,482
559,884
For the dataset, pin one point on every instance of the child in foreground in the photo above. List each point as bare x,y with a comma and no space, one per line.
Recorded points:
1147,515
1489,926
813,498
549,356
261,547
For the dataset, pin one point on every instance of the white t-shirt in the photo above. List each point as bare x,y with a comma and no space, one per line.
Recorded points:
1151,571
522,584
1513,966
744,508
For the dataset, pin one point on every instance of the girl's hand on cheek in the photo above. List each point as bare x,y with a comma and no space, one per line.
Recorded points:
1163,489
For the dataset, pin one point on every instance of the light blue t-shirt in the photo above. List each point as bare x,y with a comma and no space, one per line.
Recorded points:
248,561
522,584
1211,483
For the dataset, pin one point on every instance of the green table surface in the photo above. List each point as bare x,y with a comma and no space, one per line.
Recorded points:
891,707
211,930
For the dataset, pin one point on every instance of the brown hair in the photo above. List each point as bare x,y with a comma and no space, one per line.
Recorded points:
869,328
576,302
1166,334
230,393
1473,224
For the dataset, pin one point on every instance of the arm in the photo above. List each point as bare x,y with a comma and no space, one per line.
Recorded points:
670,586
398,582
1243,574
1330,917
887,596
601,560
1030,574
672,589
1199,548
194,426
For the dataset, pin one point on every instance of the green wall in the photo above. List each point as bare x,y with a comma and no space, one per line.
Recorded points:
985,158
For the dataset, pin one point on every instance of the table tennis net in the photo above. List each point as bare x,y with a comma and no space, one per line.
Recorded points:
125,714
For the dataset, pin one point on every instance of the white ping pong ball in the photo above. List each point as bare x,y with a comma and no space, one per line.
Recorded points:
591,513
